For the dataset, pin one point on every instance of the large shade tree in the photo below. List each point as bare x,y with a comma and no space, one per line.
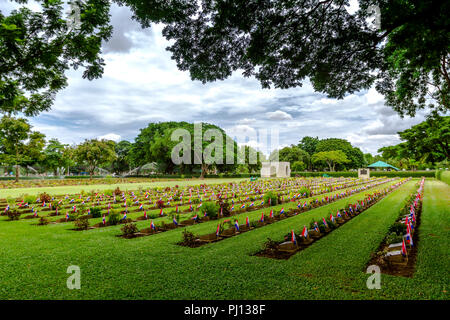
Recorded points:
155,144
95,153
19,145
426,142
354,154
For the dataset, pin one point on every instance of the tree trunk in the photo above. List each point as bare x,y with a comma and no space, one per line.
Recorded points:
204,168
329,165
17,165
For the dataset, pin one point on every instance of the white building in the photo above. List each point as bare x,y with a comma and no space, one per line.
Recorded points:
276,169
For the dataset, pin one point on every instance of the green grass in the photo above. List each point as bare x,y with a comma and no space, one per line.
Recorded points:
4,193
33,260
445,176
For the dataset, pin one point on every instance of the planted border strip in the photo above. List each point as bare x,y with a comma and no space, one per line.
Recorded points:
193,241
288,248
397,253
115,207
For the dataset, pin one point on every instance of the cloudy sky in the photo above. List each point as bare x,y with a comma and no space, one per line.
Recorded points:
141,84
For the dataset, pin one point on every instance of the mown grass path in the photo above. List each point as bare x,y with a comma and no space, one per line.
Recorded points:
33,261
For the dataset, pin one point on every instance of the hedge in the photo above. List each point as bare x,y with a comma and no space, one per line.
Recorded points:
443,175
414,174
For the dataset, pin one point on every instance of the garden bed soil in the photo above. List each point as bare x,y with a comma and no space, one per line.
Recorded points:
150,231
131,236
402,270
208,238
30,217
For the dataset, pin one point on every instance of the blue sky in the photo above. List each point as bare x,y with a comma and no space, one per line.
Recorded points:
141,84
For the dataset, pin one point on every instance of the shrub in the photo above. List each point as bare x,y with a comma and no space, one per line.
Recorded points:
11,201
29,199
160,204
82,223
211,209
117,191
43,221
225,207
13,215
303,190
113,218
189,239
96,212
273,196
45,197
397,228
393,238
270,245
129,229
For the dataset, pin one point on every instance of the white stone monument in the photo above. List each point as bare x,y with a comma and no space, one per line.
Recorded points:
276,169
364,173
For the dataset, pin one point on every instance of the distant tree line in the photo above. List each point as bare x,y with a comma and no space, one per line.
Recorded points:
425,145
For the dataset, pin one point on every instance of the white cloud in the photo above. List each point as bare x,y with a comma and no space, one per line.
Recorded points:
279,116
110,136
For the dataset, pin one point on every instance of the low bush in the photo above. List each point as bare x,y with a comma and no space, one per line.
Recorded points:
13,215
211,209
96,212
113,218
129,229
45,197
398,228
81,223
273,196
43,221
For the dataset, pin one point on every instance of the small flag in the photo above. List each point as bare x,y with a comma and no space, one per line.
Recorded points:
262,217
152,225
304,232
104,220
404,253
161,212
293,240
236,225
124,215
247,222
175,222
218,230
282,211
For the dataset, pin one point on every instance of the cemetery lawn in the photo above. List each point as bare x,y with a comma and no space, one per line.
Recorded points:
34,259
61,190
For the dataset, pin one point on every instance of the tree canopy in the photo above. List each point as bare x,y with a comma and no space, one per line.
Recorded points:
18,144
426,142
331,158
94,153
38,47
282,43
